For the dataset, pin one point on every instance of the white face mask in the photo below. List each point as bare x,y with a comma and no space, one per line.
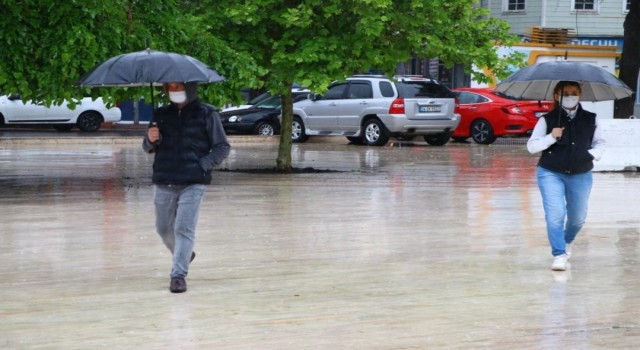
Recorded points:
570,102
178,96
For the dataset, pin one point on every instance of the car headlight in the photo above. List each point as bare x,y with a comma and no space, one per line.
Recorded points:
235,119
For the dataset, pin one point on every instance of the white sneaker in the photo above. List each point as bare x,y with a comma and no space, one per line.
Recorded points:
567,250
560,262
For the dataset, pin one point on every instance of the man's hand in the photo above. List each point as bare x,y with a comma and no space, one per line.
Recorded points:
153,134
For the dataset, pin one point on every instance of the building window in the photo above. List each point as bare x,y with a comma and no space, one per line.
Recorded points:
585,5
626,5
513,5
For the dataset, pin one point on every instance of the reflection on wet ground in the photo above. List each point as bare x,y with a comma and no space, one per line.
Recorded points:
410,246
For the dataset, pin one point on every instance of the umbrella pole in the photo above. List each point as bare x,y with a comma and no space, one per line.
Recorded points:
561,109
152,103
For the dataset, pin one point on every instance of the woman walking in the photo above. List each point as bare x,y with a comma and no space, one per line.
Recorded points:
570,140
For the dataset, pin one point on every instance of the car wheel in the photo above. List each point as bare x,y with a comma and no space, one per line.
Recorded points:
264,129
297,131
438,139
356,140
89,121
63,127
482,132
374,133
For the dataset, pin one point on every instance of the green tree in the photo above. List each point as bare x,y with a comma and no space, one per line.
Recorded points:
49,45
314,42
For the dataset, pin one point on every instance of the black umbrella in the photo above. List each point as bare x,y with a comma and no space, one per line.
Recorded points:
536,82
149,68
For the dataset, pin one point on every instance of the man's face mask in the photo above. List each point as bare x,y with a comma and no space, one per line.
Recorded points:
178,96
570,102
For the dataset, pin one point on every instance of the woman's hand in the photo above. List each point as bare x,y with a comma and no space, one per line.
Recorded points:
557,133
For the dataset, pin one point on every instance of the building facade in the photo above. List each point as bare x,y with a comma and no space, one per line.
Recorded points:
578,22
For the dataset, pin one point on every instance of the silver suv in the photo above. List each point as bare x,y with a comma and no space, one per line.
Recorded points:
371,109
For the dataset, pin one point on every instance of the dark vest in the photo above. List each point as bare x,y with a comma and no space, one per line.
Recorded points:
185,139
570,155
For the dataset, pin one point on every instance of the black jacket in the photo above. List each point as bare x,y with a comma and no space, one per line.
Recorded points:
570,155
192,143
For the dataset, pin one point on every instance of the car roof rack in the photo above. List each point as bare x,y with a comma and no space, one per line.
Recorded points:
368,76
414,77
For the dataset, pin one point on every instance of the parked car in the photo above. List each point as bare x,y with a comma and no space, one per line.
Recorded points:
488,114
369,109
260,119
88,115
295,91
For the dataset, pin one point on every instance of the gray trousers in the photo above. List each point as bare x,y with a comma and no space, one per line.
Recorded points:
177,209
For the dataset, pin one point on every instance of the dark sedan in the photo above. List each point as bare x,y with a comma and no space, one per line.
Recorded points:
259,119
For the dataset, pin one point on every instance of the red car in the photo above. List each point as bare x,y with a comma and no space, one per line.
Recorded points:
487,114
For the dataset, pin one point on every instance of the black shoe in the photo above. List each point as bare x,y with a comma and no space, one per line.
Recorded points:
178,285
193,256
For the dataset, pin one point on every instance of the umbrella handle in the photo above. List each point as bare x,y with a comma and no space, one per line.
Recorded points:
560,114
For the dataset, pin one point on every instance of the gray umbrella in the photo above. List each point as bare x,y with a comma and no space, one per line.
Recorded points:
536,82
149,68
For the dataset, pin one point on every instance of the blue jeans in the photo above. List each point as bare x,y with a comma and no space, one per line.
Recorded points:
177,209
564,198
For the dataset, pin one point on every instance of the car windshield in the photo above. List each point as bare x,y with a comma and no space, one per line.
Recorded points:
423,89
259,98
272,102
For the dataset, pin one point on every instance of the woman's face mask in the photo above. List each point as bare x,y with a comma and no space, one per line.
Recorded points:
178,96
570,102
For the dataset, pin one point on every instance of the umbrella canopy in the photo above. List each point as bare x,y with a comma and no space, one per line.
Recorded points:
536,82
148,67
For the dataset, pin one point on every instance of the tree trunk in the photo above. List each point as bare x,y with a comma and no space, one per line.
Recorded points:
630,60
283,162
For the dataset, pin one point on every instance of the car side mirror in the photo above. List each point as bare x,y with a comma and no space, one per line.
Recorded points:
315,97
15,97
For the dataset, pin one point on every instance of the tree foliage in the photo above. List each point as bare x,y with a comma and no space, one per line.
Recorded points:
49,45
315,42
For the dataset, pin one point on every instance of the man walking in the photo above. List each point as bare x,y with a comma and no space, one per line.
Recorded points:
188,141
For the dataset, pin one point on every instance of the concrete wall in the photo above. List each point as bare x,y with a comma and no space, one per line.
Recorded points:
622,152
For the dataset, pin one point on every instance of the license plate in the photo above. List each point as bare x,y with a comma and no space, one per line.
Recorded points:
429,109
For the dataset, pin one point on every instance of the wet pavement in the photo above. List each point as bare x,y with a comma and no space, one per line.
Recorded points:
401,247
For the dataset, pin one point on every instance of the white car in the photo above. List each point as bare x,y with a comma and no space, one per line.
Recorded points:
87,116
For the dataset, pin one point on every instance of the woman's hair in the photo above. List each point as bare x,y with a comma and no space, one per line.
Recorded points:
560,86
